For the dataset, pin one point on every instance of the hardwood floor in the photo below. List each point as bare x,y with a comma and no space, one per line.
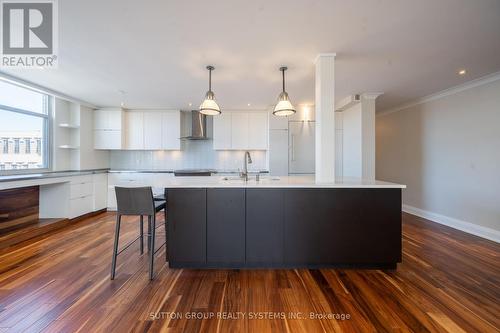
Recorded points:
449,281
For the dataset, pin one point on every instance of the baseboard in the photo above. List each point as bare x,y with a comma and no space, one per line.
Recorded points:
467,227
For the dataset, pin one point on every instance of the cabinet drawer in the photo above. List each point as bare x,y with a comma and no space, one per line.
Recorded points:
111,198
125,179
81,190
80,206
81,179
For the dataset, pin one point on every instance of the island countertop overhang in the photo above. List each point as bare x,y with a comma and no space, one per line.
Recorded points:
276,182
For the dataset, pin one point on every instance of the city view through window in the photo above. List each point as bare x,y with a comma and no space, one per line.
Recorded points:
23,128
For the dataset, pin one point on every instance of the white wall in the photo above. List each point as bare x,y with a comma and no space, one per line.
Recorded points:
352,147
447,152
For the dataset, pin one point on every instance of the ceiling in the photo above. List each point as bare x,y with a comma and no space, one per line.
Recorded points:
156,51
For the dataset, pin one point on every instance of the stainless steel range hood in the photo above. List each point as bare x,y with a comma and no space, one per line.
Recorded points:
195,126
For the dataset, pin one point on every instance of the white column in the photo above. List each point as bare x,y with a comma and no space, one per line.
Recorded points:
368,135
325,117
358,127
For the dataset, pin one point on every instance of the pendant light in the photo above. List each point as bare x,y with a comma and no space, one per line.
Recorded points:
284,107
209,106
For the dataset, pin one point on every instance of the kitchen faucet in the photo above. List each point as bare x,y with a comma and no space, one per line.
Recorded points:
247,159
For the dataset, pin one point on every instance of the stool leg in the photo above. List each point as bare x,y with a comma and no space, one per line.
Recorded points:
152,220
142,234
115,247
165,217
149,233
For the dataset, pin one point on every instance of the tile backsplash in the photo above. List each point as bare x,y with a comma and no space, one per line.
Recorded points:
193,155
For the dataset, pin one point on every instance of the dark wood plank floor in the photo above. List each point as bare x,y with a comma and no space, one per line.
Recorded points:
449,281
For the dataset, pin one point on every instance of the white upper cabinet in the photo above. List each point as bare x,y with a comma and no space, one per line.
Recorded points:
222,131
171,130
108,129
153,128
135,129
257,131
241,130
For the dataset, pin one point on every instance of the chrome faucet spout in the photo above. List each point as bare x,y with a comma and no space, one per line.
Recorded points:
247,159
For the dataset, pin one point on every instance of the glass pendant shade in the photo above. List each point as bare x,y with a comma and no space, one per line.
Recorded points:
284,107
209,106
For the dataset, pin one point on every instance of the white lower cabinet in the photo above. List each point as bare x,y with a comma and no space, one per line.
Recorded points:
100,182
87,194
80,206
158,182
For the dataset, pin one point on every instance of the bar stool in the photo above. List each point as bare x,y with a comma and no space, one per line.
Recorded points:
138,201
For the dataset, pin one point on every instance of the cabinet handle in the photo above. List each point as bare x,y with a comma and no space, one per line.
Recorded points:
293,147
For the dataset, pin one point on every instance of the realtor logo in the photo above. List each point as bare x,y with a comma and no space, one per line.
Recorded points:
29,33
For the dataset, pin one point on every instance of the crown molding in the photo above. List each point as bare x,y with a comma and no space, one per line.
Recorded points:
324,55
443,93
371,95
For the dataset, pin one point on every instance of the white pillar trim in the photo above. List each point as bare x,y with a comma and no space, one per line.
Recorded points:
324,55
371,95
325,117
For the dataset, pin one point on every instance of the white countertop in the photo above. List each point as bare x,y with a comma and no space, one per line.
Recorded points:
275,182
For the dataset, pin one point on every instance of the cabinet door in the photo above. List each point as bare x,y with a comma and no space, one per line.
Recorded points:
135,130
187,226
264,226
171,130
101,120
153,130
100,182
114,119
225,226
342,226
222,131
257,131
99,139
239,130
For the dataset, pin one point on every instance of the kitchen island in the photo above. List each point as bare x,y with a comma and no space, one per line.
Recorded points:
290,222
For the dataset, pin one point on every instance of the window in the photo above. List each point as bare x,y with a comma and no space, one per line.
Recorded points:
27,145
16,145
24,124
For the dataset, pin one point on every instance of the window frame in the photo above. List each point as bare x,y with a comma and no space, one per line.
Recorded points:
47,130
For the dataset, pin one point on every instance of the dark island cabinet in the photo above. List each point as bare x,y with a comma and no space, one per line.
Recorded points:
187,227
284,227
226,226
342,226
264,227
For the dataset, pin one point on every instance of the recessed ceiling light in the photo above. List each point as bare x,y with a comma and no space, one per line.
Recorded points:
248,104
190,104
122,104
462,72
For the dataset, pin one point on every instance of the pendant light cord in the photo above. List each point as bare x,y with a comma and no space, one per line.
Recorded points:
283,74
210,79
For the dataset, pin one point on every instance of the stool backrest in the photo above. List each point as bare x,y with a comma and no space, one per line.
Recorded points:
134,200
